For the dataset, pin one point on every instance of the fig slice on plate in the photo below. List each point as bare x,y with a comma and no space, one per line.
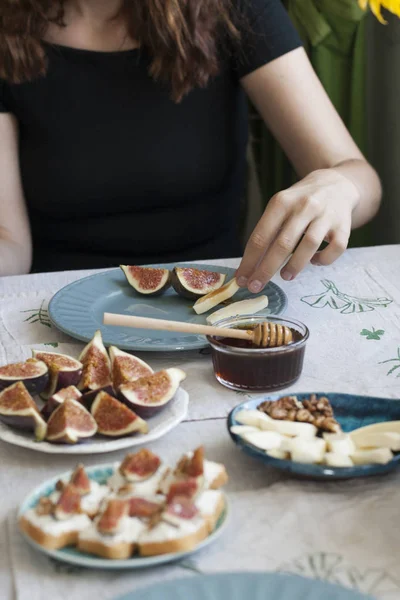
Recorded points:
96,371
58,398
19,410
147,280
34,374
148,395
114,419
68,504
212,299
63,371
89,397
194,283
110,521
126,367
144,509
80,480
139,466
251,306
70,423
188,488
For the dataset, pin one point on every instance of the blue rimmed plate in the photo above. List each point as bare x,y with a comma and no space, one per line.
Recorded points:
242,586
351,411
101,474
78,308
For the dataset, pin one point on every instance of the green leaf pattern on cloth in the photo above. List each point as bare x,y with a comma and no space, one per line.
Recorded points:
396,366
344,303
374,334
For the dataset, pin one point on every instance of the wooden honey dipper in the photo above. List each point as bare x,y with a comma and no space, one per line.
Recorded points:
264,335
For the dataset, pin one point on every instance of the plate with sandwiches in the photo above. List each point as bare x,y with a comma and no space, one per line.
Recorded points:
320,435
136,513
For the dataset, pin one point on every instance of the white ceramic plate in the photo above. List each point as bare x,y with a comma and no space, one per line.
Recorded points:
101,474
159,425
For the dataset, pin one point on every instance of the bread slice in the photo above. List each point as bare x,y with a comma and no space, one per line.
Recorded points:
166,538
50,533
210,505
115,547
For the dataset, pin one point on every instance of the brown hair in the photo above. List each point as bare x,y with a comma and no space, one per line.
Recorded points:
182,36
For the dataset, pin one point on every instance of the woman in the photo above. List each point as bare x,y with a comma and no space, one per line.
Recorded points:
123,137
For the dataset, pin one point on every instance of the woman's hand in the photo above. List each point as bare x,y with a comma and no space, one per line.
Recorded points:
296,221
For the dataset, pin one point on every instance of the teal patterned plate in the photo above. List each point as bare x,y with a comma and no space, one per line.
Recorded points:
78,309
351,411
101,474
244,586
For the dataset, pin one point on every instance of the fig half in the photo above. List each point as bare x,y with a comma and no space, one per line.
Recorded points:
96,372
114,419
194,283
18,410
126,367
63,371
33,373
147,280
54,401
148,395
70,423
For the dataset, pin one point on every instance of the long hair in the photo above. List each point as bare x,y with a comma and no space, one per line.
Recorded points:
183,38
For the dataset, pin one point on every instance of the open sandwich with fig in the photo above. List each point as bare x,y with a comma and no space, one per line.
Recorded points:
141,506
64,400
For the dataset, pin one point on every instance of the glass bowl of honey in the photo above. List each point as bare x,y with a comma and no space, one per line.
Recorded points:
240,365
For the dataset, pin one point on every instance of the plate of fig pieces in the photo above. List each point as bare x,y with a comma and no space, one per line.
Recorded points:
137,513
192,293
100,402
321,435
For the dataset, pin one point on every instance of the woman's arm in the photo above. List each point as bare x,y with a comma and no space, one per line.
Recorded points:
15,236
339,189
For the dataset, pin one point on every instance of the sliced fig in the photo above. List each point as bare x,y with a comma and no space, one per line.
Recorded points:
114,419
64,371
147,280
34,374
180,507
58,398
192,465
194,283
68,504
139,466
188,488
19,410
96,371
70,423
148,395
89,397
126,367
142,508
80,480
212,299
251,306
111,520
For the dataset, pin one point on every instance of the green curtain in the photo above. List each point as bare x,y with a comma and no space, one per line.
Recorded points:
334,36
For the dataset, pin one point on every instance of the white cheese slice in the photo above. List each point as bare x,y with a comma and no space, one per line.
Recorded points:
378,456
241,429
335,459
278,453
254,418
387,439
265,440
308,451
339,443
290,428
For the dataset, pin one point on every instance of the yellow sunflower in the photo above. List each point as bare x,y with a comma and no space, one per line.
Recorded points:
376,5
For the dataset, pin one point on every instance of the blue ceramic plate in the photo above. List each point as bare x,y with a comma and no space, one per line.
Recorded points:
351,411
245,586
101,474
78,310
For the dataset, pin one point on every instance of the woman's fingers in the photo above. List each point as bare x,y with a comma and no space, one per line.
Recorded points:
306,250
262,237
337,244
282,247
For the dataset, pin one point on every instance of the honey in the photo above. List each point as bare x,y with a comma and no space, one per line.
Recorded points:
240,365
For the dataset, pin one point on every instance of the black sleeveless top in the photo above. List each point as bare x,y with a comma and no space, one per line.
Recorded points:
115,172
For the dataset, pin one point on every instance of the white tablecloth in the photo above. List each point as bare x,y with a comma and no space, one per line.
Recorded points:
344,532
